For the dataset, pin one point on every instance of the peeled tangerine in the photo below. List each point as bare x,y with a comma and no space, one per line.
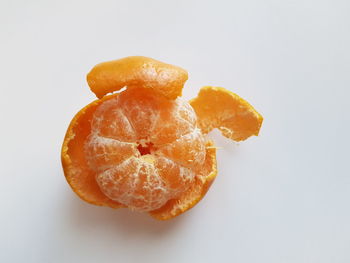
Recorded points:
146,148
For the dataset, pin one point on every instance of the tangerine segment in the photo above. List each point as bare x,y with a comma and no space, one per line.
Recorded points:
74,161
134,182
174,121
195,192
145,172
177,177
137,71
188,150
219,108
102,152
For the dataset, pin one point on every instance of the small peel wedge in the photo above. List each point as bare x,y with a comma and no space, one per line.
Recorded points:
137,71
222,109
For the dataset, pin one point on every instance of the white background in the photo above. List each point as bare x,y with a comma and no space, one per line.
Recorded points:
281,197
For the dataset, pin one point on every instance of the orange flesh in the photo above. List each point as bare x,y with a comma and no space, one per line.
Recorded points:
105,168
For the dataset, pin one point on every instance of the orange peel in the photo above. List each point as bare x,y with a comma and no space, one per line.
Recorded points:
222,109
78,175
137,71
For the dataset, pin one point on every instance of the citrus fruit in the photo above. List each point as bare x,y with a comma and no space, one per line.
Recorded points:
146,148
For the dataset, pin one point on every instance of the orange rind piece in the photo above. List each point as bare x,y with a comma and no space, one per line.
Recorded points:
222,109
79,176
137,71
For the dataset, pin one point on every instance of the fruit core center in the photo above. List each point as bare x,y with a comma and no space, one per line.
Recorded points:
145,148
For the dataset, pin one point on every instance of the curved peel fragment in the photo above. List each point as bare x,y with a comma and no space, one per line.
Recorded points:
137,71
74,162
219,108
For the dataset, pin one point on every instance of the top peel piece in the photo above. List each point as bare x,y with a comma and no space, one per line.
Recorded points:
137,71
